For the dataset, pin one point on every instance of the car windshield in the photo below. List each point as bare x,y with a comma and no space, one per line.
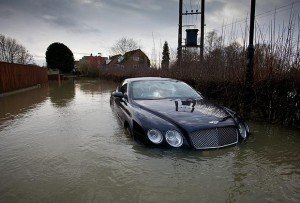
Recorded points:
162,89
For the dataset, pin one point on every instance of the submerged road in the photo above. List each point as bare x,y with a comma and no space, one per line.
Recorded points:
64,144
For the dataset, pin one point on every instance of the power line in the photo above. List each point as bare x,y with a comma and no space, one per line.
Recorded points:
197,9
279,11
194,6
186,20
260,15
277,8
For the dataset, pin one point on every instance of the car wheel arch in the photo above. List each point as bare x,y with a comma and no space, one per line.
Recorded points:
138,133
126,124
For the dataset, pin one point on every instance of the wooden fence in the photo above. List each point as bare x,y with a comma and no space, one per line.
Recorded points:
17,76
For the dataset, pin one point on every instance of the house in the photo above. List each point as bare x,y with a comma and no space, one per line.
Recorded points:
131,59
96,61
113,60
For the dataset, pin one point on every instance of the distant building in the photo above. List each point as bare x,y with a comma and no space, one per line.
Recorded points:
132,59
97,61
76,63
113,60
76,68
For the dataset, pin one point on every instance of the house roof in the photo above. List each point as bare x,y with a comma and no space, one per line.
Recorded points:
128,55
94,59
113,58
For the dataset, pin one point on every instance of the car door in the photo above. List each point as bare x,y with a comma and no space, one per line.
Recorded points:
122,103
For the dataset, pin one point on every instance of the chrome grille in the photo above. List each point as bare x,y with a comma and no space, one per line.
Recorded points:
214,137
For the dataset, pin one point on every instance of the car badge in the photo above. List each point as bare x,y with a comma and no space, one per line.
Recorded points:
214,122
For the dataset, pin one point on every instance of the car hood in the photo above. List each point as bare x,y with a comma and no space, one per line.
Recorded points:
188,114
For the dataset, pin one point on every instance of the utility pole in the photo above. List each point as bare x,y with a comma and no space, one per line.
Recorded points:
190,32
202,29
179,49
249,69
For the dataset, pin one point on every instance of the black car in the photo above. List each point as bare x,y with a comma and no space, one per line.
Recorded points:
168,112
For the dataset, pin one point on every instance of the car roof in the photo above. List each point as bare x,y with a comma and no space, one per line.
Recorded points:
148,78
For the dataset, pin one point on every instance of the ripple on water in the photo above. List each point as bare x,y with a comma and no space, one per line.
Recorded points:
67,146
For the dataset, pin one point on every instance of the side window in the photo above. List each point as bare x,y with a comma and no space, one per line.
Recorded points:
123,88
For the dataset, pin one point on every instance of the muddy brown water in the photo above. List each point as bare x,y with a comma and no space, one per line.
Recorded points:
64,144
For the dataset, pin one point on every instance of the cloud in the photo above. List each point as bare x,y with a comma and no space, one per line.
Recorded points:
137,5
6,13
94,25
61,13
69,24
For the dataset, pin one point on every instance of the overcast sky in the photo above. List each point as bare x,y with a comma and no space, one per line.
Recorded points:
92,26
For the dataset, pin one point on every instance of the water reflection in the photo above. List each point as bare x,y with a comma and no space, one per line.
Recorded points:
270,137
96,86
264,162
239,178
16,105
81,153
61,95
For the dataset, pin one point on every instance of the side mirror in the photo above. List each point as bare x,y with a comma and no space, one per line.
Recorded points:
118,94
125,96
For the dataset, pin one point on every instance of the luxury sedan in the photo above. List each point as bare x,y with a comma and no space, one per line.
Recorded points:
168,112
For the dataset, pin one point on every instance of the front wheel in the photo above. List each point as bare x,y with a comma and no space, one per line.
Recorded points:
128,131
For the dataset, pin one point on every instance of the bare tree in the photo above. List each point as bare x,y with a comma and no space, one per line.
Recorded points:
13,52
212,41
124,45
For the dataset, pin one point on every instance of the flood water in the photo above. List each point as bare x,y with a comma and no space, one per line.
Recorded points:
64,144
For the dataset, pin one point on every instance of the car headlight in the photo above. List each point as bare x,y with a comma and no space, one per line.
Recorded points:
155,136
242,130
174,138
